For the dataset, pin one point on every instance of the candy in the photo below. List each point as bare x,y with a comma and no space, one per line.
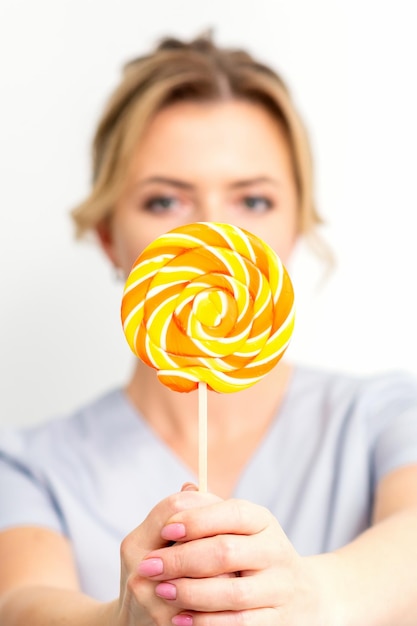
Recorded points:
208,302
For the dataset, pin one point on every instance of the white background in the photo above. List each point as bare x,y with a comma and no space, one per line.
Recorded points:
352,67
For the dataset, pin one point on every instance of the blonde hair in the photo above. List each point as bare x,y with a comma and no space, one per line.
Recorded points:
177,71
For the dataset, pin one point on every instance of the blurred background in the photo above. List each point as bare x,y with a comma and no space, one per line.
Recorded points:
352,67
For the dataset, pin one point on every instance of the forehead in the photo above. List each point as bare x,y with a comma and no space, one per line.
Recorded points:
195,136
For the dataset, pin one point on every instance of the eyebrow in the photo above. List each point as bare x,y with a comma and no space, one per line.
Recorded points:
255,181
244,182
166,181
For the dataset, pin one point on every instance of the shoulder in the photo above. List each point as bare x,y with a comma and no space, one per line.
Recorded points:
378,411
48,471
372,392
77,435
368,403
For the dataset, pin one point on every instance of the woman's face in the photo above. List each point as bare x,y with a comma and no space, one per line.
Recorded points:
220,162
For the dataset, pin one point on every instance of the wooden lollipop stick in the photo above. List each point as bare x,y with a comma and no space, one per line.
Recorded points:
202,437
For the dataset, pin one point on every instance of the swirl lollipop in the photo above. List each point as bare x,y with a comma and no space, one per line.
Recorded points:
209,306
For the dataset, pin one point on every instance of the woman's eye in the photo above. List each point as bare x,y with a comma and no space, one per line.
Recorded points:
257,203
160,204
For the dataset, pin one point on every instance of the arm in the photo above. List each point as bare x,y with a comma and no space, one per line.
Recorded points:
370,582
38,581
375,576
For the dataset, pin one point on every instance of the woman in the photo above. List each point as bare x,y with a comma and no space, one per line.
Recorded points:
314,515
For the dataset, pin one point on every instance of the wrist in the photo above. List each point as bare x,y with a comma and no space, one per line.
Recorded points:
328,589
108,613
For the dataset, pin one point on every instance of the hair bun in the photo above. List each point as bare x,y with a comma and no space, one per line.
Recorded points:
203,42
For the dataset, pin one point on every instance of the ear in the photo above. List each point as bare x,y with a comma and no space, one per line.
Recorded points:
105,237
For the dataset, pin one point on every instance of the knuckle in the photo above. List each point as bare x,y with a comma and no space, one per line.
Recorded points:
138,588
176,503
243,512
132,585
265,517
141,592
226,552
181,560
250,516
188,594
244,618
126,547
236,593
177,562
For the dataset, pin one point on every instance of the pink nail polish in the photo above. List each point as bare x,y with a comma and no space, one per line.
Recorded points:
182,620
173,532
167,591
151,567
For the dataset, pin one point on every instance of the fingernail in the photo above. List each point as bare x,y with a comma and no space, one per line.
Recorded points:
182,620
173,532
189,487
151,567
166,591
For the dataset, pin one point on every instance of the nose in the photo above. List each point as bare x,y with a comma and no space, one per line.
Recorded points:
212,207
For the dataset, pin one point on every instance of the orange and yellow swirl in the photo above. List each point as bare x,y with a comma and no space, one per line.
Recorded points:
208,302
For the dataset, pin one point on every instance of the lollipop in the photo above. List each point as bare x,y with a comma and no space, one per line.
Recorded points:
209,306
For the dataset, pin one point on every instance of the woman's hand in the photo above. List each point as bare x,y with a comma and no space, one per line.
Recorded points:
139,604
196,580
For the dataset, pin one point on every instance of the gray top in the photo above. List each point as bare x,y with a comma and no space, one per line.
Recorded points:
95,475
